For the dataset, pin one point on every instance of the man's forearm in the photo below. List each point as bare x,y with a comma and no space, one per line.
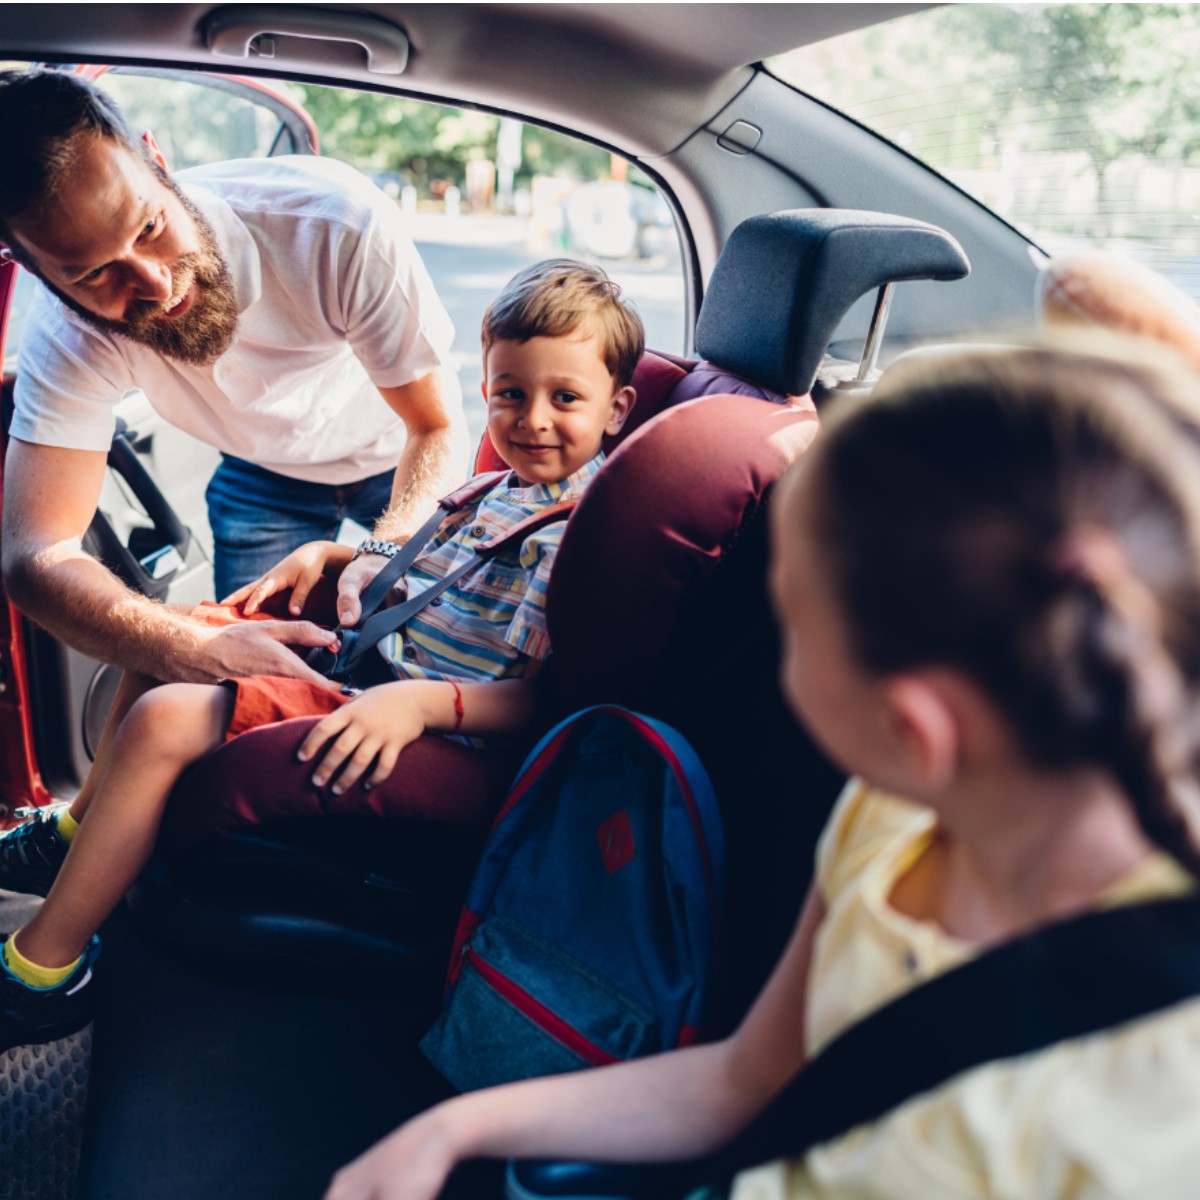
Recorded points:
84,605
433,464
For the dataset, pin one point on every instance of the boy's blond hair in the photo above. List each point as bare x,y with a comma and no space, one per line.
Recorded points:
556,297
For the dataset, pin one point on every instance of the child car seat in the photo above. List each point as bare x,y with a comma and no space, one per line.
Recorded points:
657,601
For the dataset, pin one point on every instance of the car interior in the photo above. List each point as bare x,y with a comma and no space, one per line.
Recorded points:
264,990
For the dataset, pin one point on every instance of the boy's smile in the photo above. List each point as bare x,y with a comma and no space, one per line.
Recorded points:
550,401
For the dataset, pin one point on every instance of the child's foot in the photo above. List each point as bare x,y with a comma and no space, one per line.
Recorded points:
30,1015
31,854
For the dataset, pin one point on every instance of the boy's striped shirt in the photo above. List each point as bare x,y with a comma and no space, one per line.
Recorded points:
492,622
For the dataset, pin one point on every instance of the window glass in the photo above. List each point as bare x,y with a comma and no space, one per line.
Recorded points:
487,196
202,119
1078,123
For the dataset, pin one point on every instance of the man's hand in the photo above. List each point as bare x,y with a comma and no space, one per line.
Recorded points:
352,583
258,648
298,573
373,728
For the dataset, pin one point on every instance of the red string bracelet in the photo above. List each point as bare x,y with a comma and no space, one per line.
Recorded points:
459,710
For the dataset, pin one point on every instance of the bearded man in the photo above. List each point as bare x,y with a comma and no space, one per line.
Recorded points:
274,308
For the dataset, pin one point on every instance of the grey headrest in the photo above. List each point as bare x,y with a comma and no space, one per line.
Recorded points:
784,282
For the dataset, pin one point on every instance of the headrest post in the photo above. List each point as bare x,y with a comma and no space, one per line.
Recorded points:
870,354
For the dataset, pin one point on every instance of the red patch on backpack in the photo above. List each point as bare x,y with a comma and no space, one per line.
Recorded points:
617,847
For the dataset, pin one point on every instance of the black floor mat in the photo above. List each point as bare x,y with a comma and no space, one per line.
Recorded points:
200,1087
204,1088
43,1094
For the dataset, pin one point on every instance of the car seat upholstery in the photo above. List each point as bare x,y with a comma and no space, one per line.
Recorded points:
657,601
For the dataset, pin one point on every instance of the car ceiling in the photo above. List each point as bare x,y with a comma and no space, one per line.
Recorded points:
641,77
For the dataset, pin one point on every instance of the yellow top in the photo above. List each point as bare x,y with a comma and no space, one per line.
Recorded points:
1114,1114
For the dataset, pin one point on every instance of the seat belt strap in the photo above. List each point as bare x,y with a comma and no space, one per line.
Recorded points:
1067,980
373,626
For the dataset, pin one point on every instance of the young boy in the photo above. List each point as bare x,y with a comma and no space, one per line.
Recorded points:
559,349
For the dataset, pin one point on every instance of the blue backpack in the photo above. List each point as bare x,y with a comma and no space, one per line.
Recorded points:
590,930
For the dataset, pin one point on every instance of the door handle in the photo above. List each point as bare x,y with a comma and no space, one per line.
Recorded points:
240,32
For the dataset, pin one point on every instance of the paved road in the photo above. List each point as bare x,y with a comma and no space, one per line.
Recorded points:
471,258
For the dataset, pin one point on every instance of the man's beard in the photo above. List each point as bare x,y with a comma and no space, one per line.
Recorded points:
202,334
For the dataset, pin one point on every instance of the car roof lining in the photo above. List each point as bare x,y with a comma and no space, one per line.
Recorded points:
599,69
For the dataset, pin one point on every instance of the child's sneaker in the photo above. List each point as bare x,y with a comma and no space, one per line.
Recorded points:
32,1015
31,854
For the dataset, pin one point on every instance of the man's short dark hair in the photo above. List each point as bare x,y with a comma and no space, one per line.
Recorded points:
42,114
556,297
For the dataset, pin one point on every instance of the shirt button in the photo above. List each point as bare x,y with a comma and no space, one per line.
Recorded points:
911,962
478,531
435,601
410,651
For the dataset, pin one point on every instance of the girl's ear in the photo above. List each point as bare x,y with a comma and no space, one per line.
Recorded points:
925,727
622,402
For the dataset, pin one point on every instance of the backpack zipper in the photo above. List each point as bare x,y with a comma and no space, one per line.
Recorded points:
545,1019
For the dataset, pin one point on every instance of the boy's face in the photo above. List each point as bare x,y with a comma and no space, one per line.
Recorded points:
550,400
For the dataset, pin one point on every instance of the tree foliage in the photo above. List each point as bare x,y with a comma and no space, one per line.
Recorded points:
423,142
974,87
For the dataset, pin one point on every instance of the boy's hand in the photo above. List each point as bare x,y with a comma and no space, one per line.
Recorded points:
298,573
371,728
352,583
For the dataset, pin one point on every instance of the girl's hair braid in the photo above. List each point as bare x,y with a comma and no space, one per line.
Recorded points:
1031,517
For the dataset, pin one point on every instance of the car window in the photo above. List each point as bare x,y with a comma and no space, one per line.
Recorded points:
206,118
487,195
1077,123
484,195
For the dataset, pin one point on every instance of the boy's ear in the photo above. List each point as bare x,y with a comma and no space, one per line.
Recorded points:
924,725
622,404
155,152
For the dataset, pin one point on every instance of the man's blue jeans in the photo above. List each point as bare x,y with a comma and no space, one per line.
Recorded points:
259,517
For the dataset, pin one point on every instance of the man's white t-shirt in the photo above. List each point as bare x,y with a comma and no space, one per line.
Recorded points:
335,303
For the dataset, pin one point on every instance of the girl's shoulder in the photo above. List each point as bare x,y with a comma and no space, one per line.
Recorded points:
865,823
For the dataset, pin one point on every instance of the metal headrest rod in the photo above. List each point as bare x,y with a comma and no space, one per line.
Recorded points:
870,354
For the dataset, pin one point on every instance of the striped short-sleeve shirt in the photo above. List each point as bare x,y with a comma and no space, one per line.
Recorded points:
491,623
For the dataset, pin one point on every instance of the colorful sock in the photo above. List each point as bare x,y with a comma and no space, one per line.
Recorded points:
29,973
66,826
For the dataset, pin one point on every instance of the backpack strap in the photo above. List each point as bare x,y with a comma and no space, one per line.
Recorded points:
1063,981
373,626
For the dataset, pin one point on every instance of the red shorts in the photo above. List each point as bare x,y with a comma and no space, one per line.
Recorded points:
265,699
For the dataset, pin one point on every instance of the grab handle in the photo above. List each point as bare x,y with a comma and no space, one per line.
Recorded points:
239,32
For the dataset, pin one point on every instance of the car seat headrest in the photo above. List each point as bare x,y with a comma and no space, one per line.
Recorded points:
785,280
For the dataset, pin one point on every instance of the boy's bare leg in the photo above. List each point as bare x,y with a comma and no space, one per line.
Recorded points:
164,732
132,688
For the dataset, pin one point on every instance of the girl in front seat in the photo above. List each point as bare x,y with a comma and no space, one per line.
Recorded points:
988,579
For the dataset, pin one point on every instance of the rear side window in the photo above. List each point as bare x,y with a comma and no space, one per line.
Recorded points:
1077,123
487,196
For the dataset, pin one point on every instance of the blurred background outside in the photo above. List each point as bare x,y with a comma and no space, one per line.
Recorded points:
1077,123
